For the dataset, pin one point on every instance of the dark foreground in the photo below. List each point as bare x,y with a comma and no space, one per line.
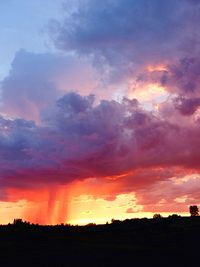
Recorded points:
145,242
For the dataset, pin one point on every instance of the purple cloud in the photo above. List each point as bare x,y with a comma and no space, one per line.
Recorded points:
79,140
125,34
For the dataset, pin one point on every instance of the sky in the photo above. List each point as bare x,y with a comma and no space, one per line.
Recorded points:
99,109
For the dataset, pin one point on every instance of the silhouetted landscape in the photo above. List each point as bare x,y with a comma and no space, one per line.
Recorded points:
171,241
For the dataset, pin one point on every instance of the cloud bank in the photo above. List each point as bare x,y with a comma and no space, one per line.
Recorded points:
79,140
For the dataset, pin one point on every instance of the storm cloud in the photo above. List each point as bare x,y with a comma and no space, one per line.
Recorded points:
79,140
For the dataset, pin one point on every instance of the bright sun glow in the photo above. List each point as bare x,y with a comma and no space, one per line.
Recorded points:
87,209
149,94
152,68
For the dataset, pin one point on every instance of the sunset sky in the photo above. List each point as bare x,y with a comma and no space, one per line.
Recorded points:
99,109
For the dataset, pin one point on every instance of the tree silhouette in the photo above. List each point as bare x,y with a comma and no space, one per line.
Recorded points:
194,211
17,222
174,216
157,216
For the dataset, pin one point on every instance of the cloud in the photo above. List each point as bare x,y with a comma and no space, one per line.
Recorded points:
187,106
182,76
36,81
131,210
79,140
180,79
123,35
174,194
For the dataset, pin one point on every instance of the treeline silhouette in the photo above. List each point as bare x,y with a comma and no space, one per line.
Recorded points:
194,211
171,241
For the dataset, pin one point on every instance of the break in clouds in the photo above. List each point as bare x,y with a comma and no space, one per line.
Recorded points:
56,127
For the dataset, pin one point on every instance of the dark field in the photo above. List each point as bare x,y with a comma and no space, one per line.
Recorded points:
144,242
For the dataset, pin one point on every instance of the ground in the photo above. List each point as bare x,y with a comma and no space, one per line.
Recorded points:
144,242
